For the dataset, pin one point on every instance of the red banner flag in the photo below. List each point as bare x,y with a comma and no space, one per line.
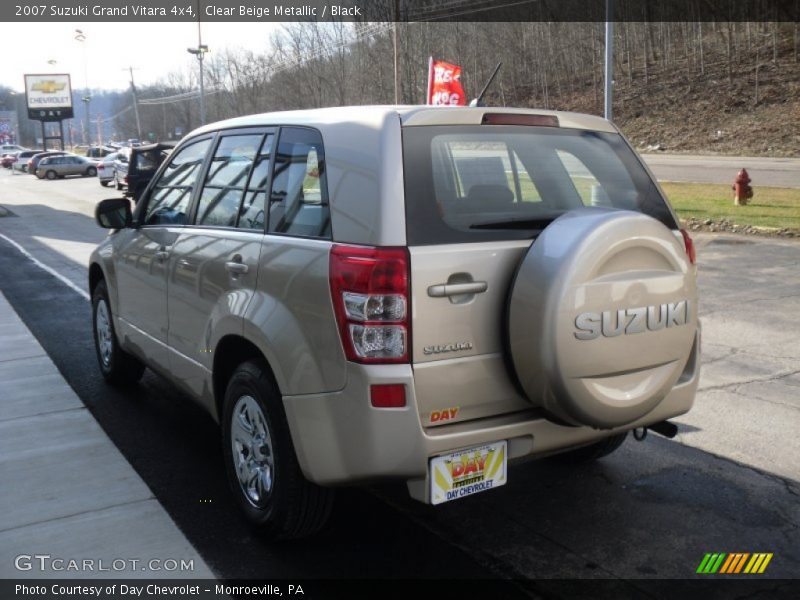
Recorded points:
444,84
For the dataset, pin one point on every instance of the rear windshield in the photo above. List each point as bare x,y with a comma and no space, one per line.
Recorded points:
487,182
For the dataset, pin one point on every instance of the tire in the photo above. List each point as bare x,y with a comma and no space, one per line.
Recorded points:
91,172
281,503
51,175
104,183
592,452
117,184
117,366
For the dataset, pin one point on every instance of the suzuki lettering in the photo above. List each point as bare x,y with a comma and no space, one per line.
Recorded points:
592,325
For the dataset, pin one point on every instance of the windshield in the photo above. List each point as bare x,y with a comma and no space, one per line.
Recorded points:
481,183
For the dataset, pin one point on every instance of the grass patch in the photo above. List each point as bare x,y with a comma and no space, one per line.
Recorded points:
769,207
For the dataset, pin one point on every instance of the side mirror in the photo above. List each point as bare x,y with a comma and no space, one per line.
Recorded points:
114,213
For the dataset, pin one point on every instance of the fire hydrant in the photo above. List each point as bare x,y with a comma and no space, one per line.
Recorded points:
742,191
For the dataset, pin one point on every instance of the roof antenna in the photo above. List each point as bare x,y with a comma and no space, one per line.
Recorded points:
479,100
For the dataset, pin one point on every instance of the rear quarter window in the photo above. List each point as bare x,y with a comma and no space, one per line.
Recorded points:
298,201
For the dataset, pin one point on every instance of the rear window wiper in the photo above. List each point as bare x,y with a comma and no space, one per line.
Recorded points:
529,223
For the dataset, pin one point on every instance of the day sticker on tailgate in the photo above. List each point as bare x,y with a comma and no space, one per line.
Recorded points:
467,472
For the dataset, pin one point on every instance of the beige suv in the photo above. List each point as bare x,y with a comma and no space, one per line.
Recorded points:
415,293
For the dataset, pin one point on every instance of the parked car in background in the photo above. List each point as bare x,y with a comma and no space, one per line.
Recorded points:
120,175
135,167
105,169
11,149
33,162
99,151
21,164
8,160
52,167
143,164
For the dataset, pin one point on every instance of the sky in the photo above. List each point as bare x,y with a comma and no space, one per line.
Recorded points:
153,49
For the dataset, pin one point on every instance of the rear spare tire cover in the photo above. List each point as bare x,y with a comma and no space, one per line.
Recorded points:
602,317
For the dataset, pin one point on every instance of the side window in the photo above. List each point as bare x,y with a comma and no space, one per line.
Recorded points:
298,203
171,194
226,180
252,214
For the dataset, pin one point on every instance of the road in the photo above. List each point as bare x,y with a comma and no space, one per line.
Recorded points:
729,482
771,172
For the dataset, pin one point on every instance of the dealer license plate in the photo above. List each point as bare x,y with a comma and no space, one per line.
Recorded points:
468,472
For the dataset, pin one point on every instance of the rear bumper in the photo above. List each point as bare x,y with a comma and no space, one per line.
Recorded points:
341,439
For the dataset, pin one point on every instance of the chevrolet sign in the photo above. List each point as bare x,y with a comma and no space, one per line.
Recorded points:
49,97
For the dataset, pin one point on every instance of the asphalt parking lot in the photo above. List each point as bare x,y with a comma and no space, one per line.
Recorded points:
730,481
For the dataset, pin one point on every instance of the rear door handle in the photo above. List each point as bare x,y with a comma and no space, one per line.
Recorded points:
236,268
455,289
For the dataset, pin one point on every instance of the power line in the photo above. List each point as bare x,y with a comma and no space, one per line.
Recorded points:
190,95
122,112
361,34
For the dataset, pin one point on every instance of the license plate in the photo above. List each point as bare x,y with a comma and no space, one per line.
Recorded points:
468,472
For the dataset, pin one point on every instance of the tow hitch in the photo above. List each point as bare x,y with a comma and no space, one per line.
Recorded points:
665,428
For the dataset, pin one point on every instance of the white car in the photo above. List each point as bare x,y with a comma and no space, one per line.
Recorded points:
105,169
11,148
21,164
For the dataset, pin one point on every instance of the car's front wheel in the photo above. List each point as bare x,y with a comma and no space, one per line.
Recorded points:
260,460
117,366
51,174
104,182
91,172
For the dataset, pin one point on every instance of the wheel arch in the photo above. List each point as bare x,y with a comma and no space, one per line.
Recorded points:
230,352
96,275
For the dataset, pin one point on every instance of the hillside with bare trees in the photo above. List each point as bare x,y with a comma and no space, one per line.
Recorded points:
731,88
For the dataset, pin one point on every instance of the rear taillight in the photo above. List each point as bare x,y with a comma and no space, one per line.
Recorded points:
370,292
689,245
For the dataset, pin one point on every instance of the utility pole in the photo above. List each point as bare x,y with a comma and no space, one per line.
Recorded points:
87,99
609,58
135,106
396,61
199,52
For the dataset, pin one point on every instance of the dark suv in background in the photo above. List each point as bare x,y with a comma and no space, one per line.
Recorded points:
135,167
